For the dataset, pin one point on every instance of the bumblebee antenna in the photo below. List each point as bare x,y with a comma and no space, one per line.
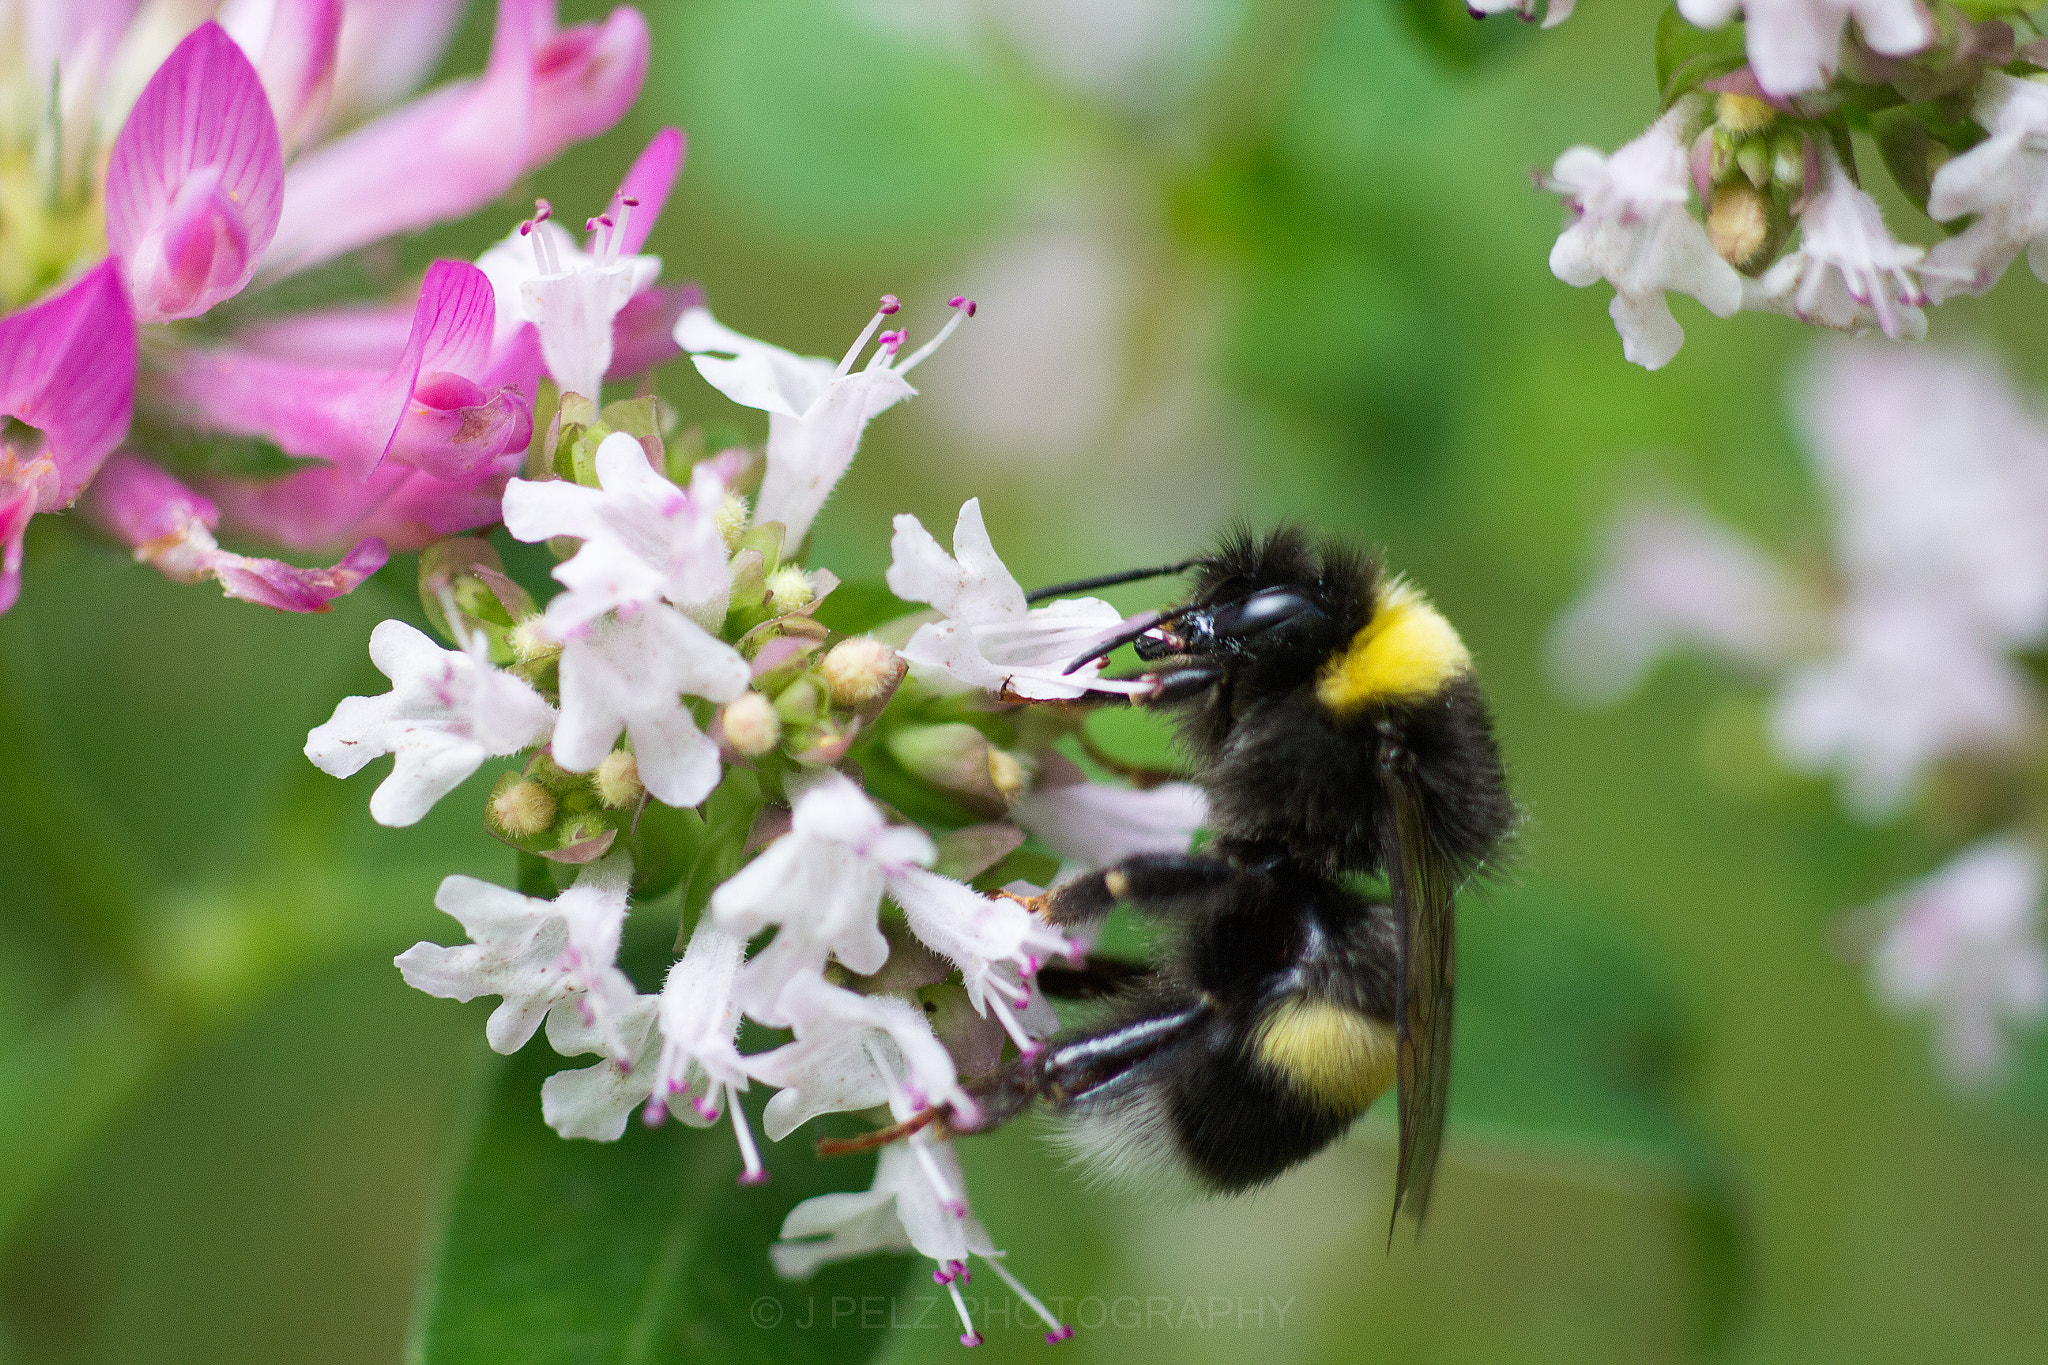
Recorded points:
1110,580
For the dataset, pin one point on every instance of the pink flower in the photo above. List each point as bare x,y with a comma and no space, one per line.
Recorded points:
417,419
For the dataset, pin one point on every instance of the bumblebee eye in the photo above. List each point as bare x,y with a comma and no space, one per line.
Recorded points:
1260,612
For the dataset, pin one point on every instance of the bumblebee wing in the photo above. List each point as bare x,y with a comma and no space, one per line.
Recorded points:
1421,881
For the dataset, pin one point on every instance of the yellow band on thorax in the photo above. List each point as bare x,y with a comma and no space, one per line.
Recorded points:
1408,651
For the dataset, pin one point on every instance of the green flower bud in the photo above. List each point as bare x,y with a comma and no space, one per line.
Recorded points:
789,589
522,809
1753,159
618,781
751,724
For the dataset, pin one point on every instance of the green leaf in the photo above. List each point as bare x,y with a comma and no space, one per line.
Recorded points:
1457,36
553,1251
1687,55
728,815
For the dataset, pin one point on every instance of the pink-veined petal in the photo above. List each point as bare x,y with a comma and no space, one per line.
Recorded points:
350,417
644,332
67,368
195,183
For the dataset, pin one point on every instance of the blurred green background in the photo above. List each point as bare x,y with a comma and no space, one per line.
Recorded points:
1271,258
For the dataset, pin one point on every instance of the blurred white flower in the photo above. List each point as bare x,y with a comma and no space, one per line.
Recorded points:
1672,577
1963,944
447,711
816,410
991,638
1795,45
1041,379
1938,475
1093,824
854,1052
1631,228
1910,681
1847,272
536,955
2004,181
630,671
644,539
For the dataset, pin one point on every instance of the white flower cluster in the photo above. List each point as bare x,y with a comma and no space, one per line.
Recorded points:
1782,224
680,625
1937,476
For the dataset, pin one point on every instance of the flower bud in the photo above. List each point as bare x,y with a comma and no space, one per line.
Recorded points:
618,780
856,671
751,725
801,702
1753,159
954,757
731,520
1738,223
1788,161
1007,772
1742,114
789,589
523,810
531,644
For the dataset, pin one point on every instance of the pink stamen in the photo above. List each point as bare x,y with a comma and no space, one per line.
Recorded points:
629,201
970,1337
755,1173
542,210
1060,1331
890,303
962,301
963,308
655,1114
860,343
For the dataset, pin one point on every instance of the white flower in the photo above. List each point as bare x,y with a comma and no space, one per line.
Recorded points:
918,1202
1795,45
1632,229
1847,273
629,672
2004,181
1913,682
699,1023
593,1102
1092,824
991,638
980,934
447,711
1672,576
536,955
644,539
822,884
1938,473
1963,944
816,410
854,1052
538,273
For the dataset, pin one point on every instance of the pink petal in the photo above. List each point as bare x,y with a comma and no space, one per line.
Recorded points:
437,158
170,528
585,79
648,182
294,45
196,180
56,32
317,509
67,368
644,332
366,336
354,417
387,48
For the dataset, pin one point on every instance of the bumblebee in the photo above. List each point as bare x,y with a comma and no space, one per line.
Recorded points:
1334,721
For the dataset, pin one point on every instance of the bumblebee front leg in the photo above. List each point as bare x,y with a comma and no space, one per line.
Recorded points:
1147,880
1070,1071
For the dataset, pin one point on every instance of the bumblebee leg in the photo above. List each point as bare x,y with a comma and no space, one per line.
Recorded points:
1069,1071
1096,977
1179,684
1143,878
